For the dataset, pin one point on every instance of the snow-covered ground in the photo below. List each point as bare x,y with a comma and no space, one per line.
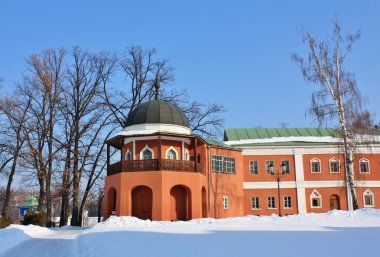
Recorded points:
337,233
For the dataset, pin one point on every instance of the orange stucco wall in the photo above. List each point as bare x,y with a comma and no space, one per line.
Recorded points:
262,174
218,185
263,195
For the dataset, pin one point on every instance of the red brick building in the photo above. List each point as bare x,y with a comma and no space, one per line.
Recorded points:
163,172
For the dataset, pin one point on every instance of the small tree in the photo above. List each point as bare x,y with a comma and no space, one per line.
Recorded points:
338,95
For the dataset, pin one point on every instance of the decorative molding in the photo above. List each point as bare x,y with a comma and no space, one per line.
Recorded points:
130,139
150,128
146,147
171,148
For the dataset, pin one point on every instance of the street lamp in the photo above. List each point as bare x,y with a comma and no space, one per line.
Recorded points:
278,176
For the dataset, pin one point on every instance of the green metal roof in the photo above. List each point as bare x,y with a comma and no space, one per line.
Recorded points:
234,134
217,143
30,202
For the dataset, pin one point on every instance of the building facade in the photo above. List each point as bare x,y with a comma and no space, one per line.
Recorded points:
163,172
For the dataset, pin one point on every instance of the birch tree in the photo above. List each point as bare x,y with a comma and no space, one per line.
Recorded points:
337,97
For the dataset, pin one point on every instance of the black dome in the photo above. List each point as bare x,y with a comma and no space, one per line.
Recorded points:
157,111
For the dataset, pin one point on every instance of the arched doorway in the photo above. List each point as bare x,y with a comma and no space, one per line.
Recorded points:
142,200
334,202
180,203
204,203
111,201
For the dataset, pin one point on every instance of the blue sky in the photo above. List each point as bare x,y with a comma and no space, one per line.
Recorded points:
232,52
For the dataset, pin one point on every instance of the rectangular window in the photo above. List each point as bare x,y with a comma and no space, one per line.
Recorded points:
316,202
368,201
253,167
287,166
334,166
315,167
267,164
255,202
271,202
217,163
225,202
287,202
223,164
364,166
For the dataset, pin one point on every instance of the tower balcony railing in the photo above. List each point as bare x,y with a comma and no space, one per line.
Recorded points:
152,165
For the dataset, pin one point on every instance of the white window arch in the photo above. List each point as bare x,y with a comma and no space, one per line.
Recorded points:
334,165
364,165
128,155
171,153
315,199
146,153
315,165
368,199
187,155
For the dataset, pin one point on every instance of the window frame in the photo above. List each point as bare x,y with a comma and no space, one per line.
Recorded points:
225,164
290,202
315,160
146,147
364,160
267,165
335,160
256,200
171,148
318,196
288,166
253,171
274,203
226,202
126,155
368,193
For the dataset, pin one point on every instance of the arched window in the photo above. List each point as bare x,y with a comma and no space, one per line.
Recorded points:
171,153
368,199
128,155
364,165
146,153
187,156
315,165
316,199
334,165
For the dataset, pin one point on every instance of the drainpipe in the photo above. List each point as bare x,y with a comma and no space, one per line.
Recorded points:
209,177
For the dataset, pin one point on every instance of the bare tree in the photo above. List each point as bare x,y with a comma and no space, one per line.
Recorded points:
87,116
142,69
16,117
41,88
338,95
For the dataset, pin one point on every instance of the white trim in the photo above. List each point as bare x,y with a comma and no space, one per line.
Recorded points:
171,148
298,164
134,150
188,155
311,139
146,147
367,161
304,184
126,154
275,203
319,196
315,160
301,200
150,128
226,202
317,149
291,202
258,202
368,192
129,139
334,159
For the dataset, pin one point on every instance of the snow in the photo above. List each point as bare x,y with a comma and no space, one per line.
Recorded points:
336,233
327,139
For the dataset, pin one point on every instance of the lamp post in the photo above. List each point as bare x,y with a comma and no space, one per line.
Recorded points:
278,176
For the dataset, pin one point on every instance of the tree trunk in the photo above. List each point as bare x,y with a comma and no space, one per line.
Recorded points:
65,193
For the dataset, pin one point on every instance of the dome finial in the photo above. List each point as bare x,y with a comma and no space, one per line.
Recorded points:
157,86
